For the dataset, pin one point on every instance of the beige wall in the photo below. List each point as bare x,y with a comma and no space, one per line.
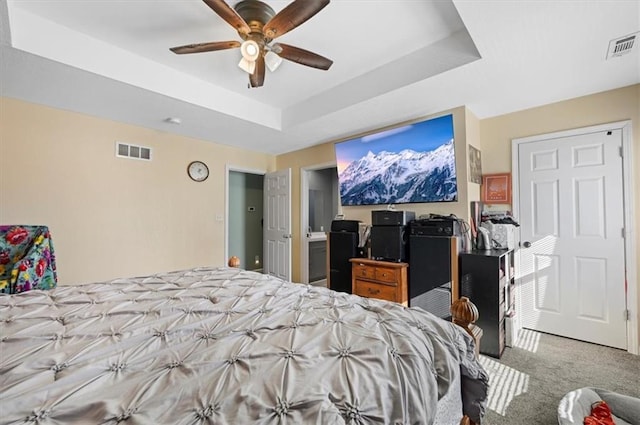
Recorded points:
112,217
116,217
325,153
611,106
472,129
493,137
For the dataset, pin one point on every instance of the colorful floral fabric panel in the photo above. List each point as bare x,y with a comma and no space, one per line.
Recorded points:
27,260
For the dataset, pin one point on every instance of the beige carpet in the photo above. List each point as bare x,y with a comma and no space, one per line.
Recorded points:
532,377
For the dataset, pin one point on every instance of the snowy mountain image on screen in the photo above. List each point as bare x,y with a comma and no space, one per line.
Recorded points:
400,177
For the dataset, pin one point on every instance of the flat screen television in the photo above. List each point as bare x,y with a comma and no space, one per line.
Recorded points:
414,163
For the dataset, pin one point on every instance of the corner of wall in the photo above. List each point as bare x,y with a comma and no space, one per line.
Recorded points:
472,127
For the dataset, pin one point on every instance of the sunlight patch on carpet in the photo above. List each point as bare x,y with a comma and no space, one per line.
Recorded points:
528,340
505,383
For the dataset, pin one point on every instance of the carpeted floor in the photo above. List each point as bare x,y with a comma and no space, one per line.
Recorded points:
530,379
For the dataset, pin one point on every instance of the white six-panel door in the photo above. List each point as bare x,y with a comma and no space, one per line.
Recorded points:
571,214
277,224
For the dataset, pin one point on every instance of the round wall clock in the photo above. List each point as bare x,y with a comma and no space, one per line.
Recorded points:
198,171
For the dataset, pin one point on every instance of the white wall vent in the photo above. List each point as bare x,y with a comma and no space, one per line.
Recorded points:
622,46
125,150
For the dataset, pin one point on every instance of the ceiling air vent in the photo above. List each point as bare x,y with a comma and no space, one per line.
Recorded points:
124,150
621,46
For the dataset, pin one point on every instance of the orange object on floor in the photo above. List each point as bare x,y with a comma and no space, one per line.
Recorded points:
600,415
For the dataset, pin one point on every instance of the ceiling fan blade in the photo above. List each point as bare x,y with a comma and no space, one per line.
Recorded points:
227,13
301,56
292,16
257,78
205,47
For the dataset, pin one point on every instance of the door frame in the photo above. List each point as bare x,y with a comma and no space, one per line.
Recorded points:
628,212
228,170
304,216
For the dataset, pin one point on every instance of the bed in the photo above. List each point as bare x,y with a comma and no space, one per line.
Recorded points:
229,346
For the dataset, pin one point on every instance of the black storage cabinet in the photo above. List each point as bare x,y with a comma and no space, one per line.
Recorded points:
486,280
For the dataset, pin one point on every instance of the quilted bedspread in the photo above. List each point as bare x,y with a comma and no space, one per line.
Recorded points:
225,346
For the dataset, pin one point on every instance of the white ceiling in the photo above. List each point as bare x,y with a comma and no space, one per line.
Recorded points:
394,61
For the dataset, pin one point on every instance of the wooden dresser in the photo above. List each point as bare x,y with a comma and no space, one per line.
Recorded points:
380,279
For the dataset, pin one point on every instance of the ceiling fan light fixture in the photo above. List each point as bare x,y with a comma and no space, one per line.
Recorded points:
247,66
250,50
272,61
258,25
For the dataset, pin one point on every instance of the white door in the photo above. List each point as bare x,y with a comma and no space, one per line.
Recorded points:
277,229
572,256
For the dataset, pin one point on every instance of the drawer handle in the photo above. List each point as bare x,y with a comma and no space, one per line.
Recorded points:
373,291
384,275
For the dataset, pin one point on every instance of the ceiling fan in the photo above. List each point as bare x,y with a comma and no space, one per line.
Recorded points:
258,25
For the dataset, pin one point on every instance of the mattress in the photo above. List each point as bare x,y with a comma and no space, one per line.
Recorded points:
228,346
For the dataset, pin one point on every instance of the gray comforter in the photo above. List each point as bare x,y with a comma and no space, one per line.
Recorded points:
225,346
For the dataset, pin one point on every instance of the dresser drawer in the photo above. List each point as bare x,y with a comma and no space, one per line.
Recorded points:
375,290
388,276
363,271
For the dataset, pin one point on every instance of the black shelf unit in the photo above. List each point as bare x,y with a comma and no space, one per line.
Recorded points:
487,279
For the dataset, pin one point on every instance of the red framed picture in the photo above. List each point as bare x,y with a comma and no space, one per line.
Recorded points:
496,188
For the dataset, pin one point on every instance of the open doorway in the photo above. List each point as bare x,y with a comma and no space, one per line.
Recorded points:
319,205
245,219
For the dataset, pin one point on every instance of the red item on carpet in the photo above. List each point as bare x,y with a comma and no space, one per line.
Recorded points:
600,414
